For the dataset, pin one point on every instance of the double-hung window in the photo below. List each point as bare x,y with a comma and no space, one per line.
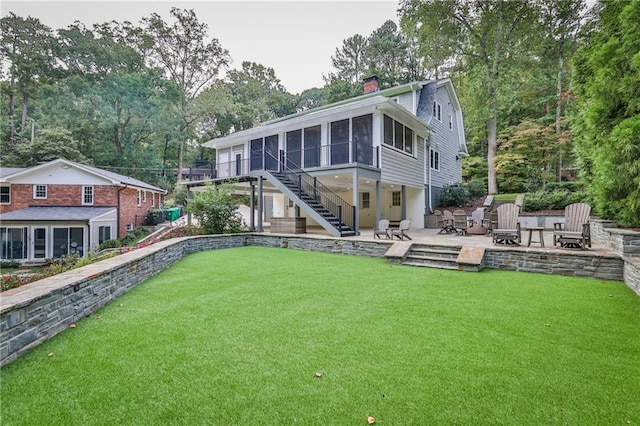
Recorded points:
434,159
40,192
87,195
5,194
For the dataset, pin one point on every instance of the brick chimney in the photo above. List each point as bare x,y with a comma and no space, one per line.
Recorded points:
370,84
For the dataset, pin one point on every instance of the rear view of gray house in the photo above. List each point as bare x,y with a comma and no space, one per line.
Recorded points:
344,166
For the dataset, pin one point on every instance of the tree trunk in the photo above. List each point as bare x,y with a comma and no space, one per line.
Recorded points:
25,103
492,145
12,117
559,116
116,139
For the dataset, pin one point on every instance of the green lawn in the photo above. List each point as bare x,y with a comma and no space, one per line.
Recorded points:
236,336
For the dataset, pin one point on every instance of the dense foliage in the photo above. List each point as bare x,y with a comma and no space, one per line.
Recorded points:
216,209
607,111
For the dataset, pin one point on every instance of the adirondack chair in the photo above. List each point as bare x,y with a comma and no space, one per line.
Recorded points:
439,221
448,222
519,201
575,232
382,229
460,222
401,231
491,221
507,229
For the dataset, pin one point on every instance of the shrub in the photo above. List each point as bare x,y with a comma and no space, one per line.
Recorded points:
454,195
130,239
154,217
9,264
476,188
551,200
216,209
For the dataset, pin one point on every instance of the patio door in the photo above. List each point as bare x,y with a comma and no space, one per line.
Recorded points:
14,243
39,239
394,201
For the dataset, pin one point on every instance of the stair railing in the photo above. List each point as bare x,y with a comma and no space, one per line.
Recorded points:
310,186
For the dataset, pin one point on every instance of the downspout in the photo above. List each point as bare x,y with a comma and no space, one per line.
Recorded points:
118,213
428,161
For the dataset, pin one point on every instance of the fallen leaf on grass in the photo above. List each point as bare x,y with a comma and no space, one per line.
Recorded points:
318,374
611,295
547,325
371,420
50,354
99,317
72,326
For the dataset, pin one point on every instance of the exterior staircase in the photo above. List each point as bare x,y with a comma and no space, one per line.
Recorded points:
309,197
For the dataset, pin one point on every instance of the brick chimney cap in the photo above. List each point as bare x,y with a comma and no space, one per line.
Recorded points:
370,78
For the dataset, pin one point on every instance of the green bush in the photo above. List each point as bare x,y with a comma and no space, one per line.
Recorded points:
9,264
216,209
476,188
130,239
454,195
551,200
154,217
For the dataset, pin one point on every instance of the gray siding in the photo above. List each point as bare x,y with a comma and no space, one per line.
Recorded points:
444,140
401,168
406,100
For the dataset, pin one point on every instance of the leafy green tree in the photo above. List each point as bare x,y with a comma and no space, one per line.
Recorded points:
256,94
188,57
606,114
27,50
386,54
216,209
350,59
490,36
48,145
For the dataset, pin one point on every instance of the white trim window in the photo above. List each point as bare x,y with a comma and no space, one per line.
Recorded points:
451,122
139,198
397,135
437,110
5,194
153,199
104,234
87,195
40,192
434,158
144,197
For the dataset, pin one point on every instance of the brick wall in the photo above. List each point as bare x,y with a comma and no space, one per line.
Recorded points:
103,196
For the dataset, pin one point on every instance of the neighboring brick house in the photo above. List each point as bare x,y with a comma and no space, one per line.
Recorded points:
61,207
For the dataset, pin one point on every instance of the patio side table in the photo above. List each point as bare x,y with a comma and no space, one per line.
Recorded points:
531,229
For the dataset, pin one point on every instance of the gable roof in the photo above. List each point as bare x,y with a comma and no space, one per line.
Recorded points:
115,178
6,171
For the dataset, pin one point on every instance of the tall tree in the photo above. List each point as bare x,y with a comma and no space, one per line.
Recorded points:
560,20
181,49
489,34
606,114
27,46
386,53
350,59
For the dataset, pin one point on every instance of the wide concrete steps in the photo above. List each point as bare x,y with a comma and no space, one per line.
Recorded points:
430,256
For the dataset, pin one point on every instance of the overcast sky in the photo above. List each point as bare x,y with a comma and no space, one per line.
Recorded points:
296,38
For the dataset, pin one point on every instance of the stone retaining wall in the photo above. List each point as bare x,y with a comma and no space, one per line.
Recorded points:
607,233
36,312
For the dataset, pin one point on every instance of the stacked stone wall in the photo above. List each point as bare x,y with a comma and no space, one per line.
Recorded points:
36,312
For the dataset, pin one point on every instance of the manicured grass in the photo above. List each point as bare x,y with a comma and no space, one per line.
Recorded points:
236,336
505,197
